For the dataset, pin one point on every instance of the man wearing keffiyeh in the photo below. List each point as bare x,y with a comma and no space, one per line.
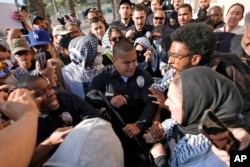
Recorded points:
85,62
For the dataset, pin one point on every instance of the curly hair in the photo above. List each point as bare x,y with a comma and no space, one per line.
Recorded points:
199,38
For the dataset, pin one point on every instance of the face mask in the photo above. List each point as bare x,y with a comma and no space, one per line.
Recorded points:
140,56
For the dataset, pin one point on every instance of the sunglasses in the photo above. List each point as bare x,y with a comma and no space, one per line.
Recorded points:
158,18
116,39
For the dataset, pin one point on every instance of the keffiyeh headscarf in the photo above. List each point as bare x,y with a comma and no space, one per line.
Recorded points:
145,43
204,89
83,50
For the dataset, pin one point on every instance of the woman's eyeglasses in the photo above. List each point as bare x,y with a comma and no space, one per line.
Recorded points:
158,18
115,39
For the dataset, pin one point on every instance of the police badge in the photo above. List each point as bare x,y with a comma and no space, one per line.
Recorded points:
140,81
67,118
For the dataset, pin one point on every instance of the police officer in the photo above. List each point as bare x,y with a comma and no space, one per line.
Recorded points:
126,87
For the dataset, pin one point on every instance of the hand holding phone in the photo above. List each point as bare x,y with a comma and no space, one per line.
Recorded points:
217,132
41,58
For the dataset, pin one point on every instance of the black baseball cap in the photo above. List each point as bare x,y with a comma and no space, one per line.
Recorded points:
126,1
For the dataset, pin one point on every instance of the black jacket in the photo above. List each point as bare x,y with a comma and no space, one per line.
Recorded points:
71,106
139,106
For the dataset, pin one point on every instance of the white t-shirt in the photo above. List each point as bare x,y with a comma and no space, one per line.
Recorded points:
237,30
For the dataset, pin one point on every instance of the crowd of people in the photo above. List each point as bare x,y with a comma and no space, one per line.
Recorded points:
127,93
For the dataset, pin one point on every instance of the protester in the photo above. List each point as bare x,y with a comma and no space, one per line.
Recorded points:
64,51
39,23
41,43
186,52
97,29
147,57
234,15
74,30
23,54
58,32
114,35
220,95
9,72
86,60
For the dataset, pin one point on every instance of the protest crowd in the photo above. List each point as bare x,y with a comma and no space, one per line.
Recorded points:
127,93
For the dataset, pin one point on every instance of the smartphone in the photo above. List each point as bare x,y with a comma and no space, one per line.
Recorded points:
217,132
41,58
25,38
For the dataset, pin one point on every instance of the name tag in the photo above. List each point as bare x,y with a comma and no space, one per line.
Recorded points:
109,94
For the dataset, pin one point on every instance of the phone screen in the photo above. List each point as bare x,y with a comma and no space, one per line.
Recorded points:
217,133
41,58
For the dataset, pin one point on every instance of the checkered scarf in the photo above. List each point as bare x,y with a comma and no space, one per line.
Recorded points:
145,43
83,50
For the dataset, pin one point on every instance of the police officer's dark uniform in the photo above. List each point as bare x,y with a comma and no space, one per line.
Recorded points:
120,25
139,108
143,33
72,111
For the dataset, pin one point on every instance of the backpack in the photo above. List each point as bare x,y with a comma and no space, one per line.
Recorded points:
231,66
